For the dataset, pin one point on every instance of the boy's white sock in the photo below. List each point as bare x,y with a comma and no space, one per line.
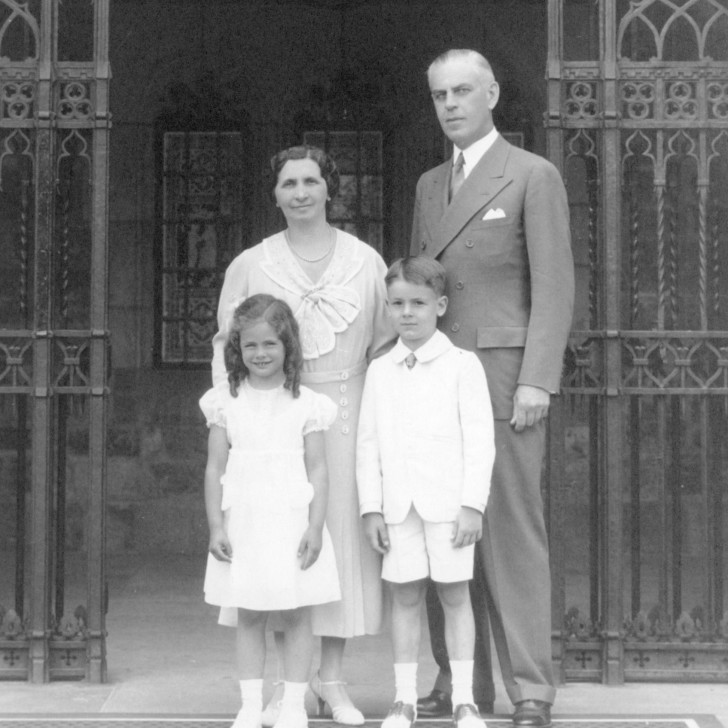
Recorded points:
251,692
462,682
293,695
405,682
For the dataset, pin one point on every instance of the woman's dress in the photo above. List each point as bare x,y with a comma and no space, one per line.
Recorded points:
343,325
266,496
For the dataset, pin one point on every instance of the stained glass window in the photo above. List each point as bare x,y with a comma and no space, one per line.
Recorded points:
202,203
357,208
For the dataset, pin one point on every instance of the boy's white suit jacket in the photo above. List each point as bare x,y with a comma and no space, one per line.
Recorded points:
425,435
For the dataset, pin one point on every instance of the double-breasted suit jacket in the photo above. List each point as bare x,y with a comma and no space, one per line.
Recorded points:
505,244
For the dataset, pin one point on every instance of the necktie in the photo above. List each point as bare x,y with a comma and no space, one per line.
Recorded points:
458,176
410,360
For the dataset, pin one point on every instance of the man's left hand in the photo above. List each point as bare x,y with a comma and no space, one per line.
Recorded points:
530,405
468,527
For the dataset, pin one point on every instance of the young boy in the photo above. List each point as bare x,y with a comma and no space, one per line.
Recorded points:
425,452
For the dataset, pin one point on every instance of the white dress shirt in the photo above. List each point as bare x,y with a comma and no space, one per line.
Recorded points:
474,153
425,434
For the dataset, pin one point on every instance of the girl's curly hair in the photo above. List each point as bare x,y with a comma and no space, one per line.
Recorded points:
278,315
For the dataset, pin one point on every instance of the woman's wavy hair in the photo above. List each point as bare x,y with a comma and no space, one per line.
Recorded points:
278,315
303,151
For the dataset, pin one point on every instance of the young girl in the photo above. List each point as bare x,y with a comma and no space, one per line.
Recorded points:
266,486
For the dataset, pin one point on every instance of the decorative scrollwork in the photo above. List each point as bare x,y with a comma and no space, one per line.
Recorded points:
582,369
638,99
657,22
692,362
581,101
18,143
649,626
73,626
658,625
75,101
717,213
638,163
579,627
11,625
718,100
15,369
13,13
680,101
18,100
74,363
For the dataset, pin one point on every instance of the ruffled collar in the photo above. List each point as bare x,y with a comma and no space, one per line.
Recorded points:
328,306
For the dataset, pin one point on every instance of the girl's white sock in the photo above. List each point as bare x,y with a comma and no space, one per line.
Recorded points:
293,695
251,692
405,682
462,682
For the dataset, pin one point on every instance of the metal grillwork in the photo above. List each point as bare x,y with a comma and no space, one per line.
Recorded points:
640,130
54,127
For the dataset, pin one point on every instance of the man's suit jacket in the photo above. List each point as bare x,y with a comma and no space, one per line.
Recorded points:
505,243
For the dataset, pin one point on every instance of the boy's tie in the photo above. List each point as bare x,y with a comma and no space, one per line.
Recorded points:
410,360
458,176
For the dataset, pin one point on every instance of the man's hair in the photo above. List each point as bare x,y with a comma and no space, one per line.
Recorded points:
464,53
421,271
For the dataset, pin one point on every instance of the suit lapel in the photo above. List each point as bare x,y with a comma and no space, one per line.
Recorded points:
482,185
435,202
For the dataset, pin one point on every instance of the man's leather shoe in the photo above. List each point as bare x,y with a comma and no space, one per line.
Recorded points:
532,714
436,705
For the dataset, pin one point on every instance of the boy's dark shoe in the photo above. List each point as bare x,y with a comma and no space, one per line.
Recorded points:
532,714
485,707
435,705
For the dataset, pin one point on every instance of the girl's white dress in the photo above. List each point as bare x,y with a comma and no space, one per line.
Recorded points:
266,497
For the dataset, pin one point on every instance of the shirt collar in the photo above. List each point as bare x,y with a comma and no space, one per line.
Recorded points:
436,345
474,153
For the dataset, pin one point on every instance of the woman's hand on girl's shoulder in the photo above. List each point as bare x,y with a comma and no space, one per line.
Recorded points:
310,547
220,546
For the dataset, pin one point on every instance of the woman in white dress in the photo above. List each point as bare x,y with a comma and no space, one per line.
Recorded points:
335,285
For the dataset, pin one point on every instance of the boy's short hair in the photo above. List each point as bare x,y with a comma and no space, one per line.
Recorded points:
420,270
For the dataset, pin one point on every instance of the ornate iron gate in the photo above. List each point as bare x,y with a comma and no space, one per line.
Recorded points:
54,133
638,123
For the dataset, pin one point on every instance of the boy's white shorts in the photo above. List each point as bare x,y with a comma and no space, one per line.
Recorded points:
418,549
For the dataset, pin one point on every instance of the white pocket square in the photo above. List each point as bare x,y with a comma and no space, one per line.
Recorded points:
494,214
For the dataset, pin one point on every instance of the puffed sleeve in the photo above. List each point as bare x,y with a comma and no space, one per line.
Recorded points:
321,413
212,404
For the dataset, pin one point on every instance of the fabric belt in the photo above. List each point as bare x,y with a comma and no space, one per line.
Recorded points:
333,376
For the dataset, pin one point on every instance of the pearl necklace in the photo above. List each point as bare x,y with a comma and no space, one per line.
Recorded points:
312,260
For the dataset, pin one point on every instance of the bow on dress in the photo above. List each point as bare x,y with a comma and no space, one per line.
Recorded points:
327,307
325,311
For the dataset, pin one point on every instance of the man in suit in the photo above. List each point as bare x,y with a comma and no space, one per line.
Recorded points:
497,219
